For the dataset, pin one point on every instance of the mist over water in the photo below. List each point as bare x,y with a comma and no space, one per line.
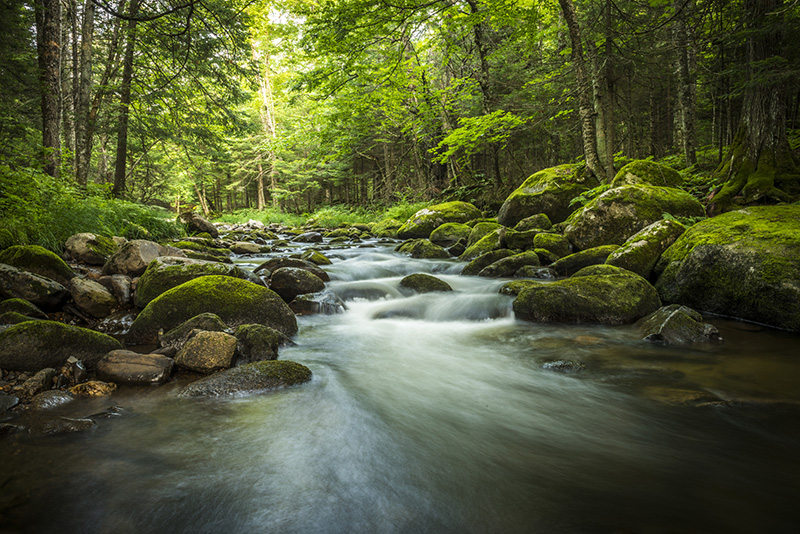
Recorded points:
436,413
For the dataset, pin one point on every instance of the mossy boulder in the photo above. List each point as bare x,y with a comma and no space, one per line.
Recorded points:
387,228
289,282
41,291
235,301
548,191
38,260
539,221
12,317
92,297
677,325
642,250
480,230
273,264
90,248
613,296
23,307
520,240
423,249
449,234
744,264
426,220
256,342
478,264
555,243
514,287
424,283
494,240
316,257
617,214
215,253
577,261
249,378
207,352
508,266
176,337
641,171
35,345
166,272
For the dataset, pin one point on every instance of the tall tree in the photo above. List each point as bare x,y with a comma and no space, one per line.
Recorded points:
125,102
83,119
48,41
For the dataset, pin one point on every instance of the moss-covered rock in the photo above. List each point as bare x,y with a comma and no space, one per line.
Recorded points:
249,378
615,297
424,283
514,287
577,261
426,220
555,243
520,240
423,249
289,282
387,228
256,342
510,265
540,221
192,246
744,264
12,317
642,250
677,325
166,272
617,214
92,297
23,307
35,345
480,230
38,260
273,264
449,234
532,271
478,264
235,301
90,248
316,257
549,191
207,352
41,291
494,240
176,337
647,172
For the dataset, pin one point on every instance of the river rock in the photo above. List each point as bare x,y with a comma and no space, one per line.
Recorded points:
22,307
316,257
7,402
520,240
38,260
744,264
308,237
449,234
577,261
249,378
90,248
677,325
532,271
121,286
646,172
256,342
643,249
92,297
134,256
478,264
387,228
508,266
540,221
612,296
35,345
244,247
548,191
128,367
424,283
180,334
423,249
9,318
234,301
93,388
480,230
617,214
207,352
41,291
555,243
289,282
47,400
166,272
324,302
196,224
62,425
426,220
494,240
41,381
273,264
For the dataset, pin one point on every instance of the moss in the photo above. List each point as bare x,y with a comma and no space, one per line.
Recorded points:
387,228
426,220
235,301
424,283
38,260
198,247
643,249
477,265
538,221
12,317
520,240
204,321
252,377
160,277
491,241
23,307
102,245
450,233
423,249
514,287
508,266
257,342
574,262
647,172
557,244
480,230
316,257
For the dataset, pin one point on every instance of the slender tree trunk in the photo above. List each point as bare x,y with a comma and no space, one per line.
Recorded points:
267,113
84,131
686,82
48,41
124,103
260,202
68,81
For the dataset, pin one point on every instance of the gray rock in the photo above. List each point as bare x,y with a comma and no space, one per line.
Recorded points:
134,256
289,282
308,237
324,302
18,284
250,378
22,307
7,402
90,248
178,336
92,297
196,224
128,367
207,352
256,342
47,400
677,325
243,247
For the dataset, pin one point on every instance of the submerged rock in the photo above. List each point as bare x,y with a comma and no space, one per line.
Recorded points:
253,377
423,249
424,283
677,325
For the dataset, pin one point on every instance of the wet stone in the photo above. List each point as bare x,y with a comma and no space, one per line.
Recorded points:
47,400
7,402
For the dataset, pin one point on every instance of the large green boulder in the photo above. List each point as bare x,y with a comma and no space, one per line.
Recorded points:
480,230
235,301
387,228
744,264
424,283
484,260
494,240
249,378
575,262
423,249
35,345
641,171
642,250
508,266
166,272
617,214
426,220
548,191
449,234
38,260
608,295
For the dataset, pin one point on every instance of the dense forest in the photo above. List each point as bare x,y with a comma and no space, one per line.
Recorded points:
296,104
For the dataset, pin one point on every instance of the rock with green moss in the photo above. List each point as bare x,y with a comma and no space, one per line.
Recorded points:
22,307
207,352
90,248
520,240
424,283
289,282
494,240
216,253
166,272
426,220
484,260
508,266
12,317
249,378
35,345
176,337
235,301
449,234
549,191
613,297
677,325
642,250
16,283
92,298
617,214
514,287
423,249
256,342
577,261
744,264
555,243
387,228
532,271
540,221
480,230
133,257
273,264
38,260
196,224
647,172
245,247
316,257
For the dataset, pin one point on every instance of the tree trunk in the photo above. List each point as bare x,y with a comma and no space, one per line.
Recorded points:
267,113
124,103
68,81
83,155
586,110
260,202
48,41
686,82
759,166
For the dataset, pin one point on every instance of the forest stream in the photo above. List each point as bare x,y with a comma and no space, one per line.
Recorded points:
439,413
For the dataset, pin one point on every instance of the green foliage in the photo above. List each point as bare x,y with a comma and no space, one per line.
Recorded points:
475,133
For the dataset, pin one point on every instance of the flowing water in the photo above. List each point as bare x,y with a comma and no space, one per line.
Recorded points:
440,413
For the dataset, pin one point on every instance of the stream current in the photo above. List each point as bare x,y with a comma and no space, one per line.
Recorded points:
439,413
